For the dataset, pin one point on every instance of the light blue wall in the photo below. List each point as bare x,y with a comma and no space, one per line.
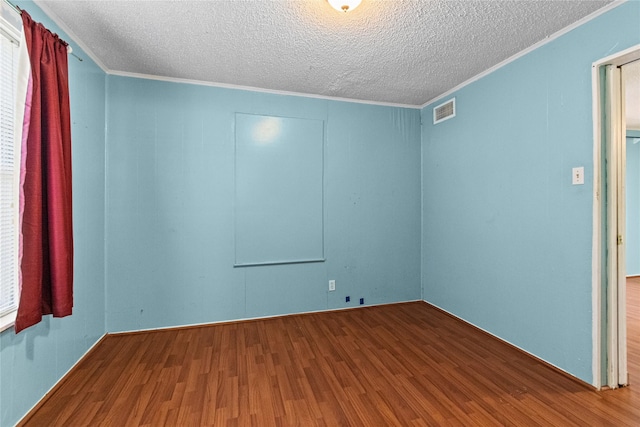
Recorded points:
506,237
170,213
34,360
633,204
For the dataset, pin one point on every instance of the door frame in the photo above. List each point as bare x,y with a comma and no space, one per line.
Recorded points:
607,317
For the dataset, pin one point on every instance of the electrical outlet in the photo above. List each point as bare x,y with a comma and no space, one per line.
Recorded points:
361,301
332,285
347,299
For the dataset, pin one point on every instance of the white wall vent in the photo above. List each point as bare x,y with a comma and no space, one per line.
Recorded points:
444,111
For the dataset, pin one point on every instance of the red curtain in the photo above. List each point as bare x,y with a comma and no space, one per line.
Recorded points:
47,261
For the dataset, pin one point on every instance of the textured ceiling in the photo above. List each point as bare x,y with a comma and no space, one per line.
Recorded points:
402,52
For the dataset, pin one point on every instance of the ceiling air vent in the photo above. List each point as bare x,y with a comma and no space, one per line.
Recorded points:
444,111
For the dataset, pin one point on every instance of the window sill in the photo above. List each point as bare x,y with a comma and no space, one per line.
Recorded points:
7,321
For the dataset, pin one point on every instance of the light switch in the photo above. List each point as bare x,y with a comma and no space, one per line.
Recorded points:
578,175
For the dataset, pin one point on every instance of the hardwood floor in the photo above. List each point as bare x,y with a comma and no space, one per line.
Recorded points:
405,364
633,331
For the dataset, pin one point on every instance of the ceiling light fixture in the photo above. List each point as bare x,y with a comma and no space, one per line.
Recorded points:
344,5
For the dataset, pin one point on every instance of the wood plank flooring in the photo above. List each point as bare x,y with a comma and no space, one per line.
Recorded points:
396,365
633,331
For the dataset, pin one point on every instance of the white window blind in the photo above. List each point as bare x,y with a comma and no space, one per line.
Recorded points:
9,177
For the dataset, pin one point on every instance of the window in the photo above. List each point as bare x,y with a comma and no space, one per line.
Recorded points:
10,145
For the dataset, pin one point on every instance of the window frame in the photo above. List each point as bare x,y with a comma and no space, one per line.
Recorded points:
13,35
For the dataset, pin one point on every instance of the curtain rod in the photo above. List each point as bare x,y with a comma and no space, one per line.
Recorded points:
19,12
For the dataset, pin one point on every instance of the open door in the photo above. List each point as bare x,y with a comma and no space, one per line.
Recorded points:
615,161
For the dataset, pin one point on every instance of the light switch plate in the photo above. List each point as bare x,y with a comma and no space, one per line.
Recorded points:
578,175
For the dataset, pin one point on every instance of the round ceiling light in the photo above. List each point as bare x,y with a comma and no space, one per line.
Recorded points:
344,5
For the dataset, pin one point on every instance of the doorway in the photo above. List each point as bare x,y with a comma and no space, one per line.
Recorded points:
631,93
610,77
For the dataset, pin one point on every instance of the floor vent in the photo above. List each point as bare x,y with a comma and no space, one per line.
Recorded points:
444,111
